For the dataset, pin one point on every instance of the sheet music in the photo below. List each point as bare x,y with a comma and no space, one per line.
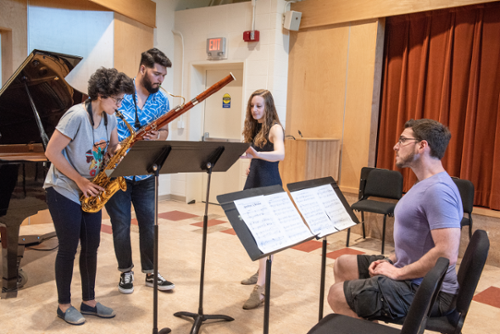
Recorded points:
313,211
288,217
275,223
334,207
262,223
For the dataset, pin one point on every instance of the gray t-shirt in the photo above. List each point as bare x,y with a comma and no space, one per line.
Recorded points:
430,204
85,152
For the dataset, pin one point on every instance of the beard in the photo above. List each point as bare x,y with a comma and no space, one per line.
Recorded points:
405,161
149,85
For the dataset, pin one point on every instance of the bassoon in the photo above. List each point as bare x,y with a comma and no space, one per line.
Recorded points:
111,186
181,109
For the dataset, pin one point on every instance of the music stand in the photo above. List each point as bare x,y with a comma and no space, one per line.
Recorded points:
247,239
316,183
147,157
166,157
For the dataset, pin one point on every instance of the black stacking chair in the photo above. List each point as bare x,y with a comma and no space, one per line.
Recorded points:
414,322
469,273
382,183
466,189
468,276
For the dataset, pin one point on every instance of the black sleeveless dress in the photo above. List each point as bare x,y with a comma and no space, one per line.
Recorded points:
263,173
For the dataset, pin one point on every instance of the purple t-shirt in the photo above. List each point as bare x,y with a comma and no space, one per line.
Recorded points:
430,204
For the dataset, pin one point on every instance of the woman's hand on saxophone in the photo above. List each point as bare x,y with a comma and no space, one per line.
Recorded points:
88,188
112,150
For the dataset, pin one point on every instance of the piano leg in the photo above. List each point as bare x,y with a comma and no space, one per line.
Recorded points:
10,238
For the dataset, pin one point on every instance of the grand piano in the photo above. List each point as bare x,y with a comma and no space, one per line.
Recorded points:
31,103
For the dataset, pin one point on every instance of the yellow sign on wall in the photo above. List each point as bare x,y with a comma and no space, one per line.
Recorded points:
226,101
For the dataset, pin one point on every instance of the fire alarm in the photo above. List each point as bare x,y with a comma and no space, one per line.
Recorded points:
251,36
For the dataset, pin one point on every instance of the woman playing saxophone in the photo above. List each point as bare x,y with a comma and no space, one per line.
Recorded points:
85,134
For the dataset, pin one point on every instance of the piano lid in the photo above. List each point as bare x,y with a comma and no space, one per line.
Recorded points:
43,74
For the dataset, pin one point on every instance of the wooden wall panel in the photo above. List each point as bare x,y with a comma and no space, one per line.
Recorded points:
131,39
316,82
7,54
332,71
317,13
143,11
65,4
362,102
13,27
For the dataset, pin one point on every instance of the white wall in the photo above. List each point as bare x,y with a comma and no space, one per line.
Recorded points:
164,40
88,34
265,63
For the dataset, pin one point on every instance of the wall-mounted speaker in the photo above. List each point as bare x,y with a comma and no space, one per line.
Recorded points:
292,20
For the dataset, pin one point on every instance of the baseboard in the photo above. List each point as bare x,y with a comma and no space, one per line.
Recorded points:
171,197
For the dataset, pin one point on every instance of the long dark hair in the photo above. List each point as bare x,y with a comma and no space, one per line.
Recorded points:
270,118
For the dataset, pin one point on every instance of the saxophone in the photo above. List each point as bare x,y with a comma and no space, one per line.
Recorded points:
95,203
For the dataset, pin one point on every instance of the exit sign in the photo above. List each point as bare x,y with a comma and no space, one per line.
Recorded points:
216,48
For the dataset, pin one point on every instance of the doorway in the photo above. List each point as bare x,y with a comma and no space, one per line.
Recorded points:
223,121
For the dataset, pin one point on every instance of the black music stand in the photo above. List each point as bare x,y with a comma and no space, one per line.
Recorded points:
147,157
316,183
166,157
180,157
247,239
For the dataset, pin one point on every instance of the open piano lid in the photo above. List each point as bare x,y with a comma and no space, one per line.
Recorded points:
43,73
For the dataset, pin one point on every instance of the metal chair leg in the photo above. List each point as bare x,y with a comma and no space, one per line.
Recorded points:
383,234
363,224
470,226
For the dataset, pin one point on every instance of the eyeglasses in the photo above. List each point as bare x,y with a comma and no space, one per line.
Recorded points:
117,100
402,140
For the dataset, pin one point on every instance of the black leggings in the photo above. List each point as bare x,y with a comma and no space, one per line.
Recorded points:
73,225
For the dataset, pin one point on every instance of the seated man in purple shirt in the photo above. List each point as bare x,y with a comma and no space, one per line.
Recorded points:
426,227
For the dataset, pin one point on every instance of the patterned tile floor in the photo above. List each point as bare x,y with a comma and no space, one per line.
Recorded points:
294,289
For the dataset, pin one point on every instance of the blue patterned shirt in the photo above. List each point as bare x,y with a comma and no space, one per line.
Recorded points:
156,105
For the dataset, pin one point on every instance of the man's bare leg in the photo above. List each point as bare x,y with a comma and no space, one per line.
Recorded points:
344,269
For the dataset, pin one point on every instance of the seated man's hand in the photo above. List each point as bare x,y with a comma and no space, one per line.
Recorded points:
382,267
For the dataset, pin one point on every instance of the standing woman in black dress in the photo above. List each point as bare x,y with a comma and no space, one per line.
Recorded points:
264,130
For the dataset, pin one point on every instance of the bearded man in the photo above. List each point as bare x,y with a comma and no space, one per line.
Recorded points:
426,227
147,104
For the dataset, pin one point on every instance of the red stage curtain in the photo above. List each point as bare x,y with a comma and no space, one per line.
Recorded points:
445,65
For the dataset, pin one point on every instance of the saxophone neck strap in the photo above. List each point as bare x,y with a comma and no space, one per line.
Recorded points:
88,107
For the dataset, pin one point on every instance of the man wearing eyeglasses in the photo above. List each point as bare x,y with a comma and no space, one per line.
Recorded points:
139,109
426,227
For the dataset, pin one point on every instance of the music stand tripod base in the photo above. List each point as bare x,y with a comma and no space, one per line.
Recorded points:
199,317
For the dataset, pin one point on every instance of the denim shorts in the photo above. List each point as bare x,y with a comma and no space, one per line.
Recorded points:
381,297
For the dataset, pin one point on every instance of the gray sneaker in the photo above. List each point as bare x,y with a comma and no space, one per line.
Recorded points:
71,316
99,310
126,284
